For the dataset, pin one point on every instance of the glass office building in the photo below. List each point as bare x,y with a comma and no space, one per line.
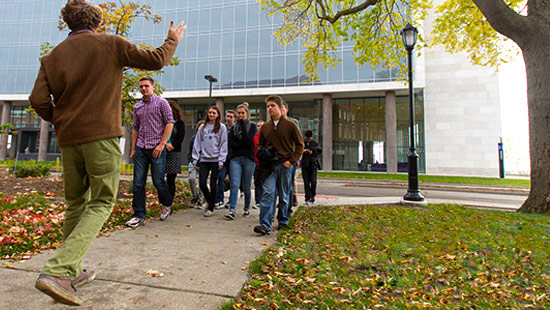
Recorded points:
231,40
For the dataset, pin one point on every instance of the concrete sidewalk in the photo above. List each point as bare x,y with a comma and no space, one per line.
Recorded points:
204,262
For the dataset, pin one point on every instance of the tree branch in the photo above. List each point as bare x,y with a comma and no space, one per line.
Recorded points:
352,10
503,19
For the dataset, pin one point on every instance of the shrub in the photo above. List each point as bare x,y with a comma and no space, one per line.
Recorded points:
30,168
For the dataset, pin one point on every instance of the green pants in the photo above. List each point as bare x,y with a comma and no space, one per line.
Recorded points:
91,173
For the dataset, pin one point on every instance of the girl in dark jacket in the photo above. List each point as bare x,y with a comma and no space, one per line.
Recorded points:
174,158
241,167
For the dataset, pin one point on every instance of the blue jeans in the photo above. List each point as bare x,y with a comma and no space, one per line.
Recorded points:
142,159
279,182
220,182
241,170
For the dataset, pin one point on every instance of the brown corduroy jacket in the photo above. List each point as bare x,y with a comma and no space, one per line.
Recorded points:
79,85
286,138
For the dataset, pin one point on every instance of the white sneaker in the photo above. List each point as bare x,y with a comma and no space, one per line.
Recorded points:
165,212
218,205
135,222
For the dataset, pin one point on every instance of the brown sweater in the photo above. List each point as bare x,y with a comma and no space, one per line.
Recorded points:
84,75
286,138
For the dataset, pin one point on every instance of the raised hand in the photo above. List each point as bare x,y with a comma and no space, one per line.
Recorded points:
178,31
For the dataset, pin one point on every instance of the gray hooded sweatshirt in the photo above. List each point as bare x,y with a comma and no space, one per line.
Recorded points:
210,146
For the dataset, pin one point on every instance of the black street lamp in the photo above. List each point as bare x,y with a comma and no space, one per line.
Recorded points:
210,79
409,34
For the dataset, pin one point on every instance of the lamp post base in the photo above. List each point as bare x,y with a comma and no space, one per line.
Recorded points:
413,195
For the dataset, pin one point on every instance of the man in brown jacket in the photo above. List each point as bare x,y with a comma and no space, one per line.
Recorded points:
78,89
285,136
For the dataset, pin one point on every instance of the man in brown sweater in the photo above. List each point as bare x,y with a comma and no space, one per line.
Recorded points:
285,136
78,89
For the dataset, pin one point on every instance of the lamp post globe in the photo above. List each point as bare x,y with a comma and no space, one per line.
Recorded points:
409,35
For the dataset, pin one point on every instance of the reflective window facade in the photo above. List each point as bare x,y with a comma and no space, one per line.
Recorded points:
230,39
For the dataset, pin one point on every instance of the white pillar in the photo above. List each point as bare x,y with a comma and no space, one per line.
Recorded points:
391,132
6,116
43,140
327,132
221,106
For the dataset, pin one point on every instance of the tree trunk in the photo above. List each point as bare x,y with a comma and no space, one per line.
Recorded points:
531,34
537,64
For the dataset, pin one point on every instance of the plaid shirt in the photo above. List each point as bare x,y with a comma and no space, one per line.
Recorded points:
150,119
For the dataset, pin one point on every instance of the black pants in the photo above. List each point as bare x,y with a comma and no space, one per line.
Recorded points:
171,181
310,182
204,170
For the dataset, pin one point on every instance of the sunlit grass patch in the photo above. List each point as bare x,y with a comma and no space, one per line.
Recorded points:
442,256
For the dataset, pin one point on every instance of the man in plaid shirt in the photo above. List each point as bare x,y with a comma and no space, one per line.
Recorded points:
153,123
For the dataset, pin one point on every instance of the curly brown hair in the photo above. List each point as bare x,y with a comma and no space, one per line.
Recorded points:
176,110
81,14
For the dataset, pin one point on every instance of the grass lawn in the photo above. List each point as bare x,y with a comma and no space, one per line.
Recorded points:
427,178
394,257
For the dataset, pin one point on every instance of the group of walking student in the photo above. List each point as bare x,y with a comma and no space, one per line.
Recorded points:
238,149
267,153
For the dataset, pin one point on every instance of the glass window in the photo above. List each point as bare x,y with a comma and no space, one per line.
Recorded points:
292,70
240,15
278,70
265,41
160,5
265,72
252,42
16,33
8,8
191,44
216,19
226,77
6,32
214,69
24,57
37,11
228,17
381,75
240,42
265,20
215,46
357,108
253,15
366,73
350,67
252,72
204,20
202,70
19,11
192,22
335,74
51,11
190,75
4,60
238,73
203,47
227,44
